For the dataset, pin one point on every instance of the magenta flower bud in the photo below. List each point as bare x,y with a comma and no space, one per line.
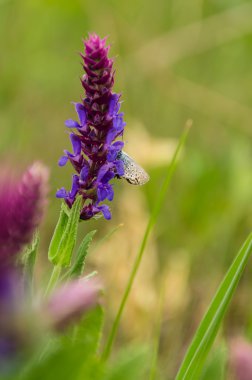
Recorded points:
241,359
69,302
22,203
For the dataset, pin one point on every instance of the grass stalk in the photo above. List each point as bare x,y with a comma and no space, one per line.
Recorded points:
150,225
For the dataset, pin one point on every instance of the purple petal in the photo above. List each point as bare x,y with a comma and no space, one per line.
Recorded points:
110,192
75,186
105,210
113,150
119,167
114,105
118,145
115,131
103,170
118,123
62,161
101,193
84,172
62,193
76,143
111,135
71,124
80,109
108,176
112,154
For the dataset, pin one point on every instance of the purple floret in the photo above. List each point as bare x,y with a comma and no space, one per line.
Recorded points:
94,136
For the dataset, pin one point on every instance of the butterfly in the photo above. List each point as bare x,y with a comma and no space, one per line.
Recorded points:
133,172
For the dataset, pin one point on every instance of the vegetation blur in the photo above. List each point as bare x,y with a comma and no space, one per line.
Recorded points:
175,60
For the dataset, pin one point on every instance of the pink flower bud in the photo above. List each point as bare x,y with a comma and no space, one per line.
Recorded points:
69,302
241,359
22,203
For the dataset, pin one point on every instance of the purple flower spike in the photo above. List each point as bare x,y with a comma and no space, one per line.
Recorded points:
95,139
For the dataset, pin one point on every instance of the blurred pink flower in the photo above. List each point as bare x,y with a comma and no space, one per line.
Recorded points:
22,203
241,359
70,301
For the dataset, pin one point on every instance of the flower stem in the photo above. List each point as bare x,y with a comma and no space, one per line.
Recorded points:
53,279
150,225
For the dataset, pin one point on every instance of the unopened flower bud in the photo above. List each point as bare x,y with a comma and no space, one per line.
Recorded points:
71,301
22,203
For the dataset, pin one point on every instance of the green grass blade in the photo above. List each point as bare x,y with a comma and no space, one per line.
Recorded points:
158,326
203,339
107,236
150,225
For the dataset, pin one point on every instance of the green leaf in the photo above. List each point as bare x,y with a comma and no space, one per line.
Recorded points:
72,355
129,364
67,242
29,258
203,339
78,267
58,233
88,333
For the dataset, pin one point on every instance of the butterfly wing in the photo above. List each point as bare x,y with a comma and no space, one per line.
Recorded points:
133,172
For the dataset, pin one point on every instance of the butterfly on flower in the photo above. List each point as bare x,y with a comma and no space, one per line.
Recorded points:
133,172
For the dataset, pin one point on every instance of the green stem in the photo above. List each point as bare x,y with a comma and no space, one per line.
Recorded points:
150,225
53,279
158,326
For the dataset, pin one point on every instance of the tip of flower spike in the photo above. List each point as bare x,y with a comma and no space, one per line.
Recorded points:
93,38
39,172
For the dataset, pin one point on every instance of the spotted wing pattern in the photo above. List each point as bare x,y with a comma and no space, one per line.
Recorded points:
133,172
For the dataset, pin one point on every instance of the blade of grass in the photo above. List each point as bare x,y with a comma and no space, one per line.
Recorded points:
150,225
154,361
107,236
204,337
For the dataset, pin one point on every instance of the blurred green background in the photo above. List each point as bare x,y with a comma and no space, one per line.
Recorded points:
175,60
